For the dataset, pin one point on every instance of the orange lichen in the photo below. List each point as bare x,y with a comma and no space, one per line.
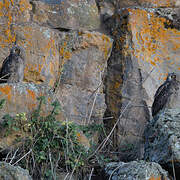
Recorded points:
157,178
100,41
8,11
117,85
32,73
150,37
6,91
31,94
64,52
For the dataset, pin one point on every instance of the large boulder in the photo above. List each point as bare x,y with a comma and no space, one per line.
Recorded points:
69,14
145,50
9,172
84,58
63,65
163,139
135,170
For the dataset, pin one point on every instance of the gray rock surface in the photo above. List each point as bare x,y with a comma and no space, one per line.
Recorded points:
135,170
163,139
69,14
140,61
9,172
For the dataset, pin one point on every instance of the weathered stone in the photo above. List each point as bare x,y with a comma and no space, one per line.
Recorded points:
140,3
163,139
159,3
22,97
69,14
156,43
12,12
83,58
135,170
145,50
9,172
41,52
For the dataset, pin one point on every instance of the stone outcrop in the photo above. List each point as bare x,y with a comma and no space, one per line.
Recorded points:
135,170
69,14
9,172
146,48
62,61
83,55
163,140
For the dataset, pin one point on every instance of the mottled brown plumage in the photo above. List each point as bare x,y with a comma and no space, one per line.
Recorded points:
164,93
12,70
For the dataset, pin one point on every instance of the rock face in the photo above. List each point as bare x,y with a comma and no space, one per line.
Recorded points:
83,56
163,139
62,61
69,14
145,50
135,170
9,172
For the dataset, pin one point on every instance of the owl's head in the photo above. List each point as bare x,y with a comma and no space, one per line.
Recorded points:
171,76
17,50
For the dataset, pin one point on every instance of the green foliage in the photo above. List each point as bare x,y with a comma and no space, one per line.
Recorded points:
2,103
53,144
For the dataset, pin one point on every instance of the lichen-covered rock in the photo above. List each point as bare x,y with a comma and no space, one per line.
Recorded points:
69,14
163,139
22,97
83,58
9,172
155,45
139,3
159,3
146,48
12,12
42,53
135,170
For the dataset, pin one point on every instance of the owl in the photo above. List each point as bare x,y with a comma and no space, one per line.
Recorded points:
12,70
164,93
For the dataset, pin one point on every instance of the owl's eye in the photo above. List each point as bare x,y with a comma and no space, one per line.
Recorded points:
17,51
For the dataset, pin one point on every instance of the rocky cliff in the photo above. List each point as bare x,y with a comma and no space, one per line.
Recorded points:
102,60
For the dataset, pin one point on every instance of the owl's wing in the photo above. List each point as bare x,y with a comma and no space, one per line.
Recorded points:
159,90
160,98
4,67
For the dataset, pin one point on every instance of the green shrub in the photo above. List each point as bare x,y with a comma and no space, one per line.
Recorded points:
49,145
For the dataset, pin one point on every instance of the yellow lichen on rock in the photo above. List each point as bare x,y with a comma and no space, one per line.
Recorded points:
98,40
154,42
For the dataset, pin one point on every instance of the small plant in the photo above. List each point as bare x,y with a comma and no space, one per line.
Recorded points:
50,145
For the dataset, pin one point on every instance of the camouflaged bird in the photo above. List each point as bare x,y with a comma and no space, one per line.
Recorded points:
12,70
164,93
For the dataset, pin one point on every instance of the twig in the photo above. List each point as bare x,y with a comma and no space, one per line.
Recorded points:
52,170
115,124
56,165
91,173
66,176
22,157
113,172
148,75
75,166
92,106
174,174
7,156
14,155
95,91
106,139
